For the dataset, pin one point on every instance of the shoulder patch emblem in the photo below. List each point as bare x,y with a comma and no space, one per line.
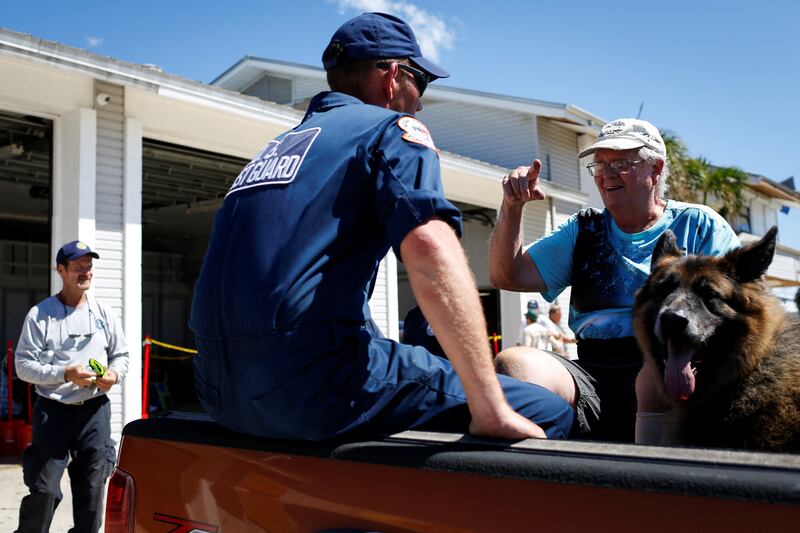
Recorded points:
416,132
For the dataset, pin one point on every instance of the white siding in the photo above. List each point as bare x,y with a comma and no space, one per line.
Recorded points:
109,219
564,210
502,138
271,88
784,266
536,221
559,154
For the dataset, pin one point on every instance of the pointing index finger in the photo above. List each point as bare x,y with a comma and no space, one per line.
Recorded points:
533,180
535,168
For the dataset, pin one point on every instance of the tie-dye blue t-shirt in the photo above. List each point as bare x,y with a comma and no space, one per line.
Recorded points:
622,263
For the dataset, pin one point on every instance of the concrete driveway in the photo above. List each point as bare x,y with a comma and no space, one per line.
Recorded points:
12,489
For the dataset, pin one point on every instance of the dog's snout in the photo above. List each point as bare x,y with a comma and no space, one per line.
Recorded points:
673,323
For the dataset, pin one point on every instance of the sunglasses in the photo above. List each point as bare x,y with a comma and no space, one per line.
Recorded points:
92,325
420,78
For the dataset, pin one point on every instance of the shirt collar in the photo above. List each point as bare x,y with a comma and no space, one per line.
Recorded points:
327,100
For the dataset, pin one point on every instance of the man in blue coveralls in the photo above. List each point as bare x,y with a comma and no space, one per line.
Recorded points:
287,348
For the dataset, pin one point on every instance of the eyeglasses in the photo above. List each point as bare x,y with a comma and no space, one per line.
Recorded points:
618,166
420,78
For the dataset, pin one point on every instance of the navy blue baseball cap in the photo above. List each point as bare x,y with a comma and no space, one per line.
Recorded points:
73,250
377,36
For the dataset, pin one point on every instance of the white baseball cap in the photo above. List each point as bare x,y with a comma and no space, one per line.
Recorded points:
626,134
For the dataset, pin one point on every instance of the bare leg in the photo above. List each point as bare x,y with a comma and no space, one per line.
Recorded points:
538,367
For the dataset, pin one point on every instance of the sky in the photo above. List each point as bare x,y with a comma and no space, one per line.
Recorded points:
723,75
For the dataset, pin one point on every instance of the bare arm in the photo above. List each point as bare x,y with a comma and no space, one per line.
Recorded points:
510,267
445,290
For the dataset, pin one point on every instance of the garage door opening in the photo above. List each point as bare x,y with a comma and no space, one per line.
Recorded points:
181,191
25,209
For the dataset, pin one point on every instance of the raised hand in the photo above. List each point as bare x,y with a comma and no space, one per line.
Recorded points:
521,185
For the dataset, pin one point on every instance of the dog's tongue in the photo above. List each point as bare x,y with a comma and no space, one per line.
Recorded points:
678,375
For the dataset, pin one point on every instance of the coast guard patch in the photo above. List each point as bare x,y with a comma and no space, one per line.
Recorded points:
416,132
278,162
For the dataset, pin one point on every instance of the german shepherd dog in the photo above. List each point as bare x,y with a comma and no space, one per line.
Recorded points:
728,354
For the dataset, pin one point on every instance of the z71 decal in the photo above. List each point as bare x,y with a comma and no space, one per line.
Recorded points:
278,162
184,525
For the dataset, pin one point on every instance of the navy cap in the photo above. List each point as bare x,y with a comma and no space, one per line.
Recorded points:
73,250
377,36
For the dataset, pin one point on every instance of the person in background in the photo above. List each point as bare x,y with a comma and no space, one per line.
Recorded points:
280,312
534,334
557,334
604,255
72,416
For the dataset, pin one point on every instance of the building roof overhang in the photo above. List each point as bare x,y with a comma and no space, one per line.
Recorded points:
249,69
145,77
774,190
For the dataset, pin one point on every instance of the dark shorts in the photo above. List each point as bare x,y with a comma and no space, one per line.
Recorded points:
605,377
284,388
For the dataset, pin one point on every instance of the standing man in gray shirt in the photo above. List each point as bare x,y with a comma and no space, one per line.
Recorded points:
72,417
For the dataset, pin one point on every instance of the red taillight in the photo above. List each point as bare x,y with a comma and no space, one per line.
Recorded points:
119,502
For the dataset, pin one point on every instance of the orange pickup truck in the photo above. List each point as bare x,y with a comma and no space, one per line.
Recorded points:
184,473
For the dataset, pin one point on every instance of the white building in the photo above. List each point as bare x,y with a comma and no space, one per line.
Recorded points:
764,201
135,161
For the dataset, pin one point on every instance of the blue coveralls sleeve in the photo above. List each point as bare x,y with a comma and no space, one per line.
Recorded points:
408,186
552,255
31,359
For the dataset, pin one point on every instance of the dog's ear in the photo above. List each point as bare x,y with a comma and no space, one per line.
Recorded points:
666,246
750,262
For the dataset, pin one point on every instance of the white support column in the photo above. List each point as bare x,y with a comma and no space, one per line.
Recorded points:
132,267
392,299
75,151
512,308
587,181
534,140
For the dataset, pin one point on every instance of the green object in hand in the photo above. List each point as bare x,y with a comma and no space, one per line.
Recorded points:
99,369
